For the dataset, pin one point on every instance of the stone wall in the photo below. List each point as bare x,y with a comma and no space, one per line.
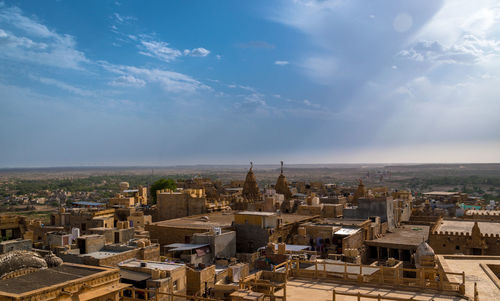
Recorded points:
464,243
354,241
15,245
179,204
169,235
367,207
222,245
250,237
196,279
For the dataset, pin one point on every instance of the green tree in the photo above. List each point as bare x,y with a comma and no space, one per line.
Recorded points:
161,184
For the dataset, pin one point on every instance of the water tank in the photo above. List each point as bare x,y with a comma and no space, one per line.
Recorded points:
75,233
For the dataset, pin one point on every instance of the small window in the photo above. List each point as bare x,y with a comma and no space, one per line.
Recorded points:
444,245
457,248
174,285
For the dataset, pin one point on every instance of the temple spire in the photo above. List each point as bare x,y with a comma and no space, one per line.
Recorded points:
250,188
282,185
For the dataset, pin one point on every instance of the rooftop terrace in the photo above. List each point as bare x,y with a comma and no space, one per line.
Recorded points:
458,226
407,235
218,219
300,289
47,277
165,266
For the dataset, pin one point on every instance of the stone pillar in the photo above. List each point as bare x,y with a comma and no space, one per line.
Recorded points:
378,253
400,254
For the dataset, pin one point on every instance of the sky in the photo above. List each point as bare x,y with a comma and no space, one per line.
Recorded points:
227,82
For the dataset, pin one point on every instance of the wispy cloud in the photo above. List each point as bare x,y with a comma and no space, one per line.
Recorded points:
197,52
159,50
36,43
169,81
468,49
121,19
128,81
281,63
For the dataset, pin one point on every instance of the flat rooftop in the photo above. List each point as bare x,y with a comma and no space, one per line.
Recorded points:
409,236
164,266
342,221
218,219
300,289
46,277
475,272
351,268
466,226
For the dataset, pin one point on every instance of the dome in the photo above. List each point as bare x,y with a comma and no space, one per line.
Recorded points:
424,249
424,255
52,260
16,261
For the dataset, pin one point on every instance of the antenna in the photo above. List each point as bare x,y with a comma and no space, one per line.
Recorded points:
251,165
281,167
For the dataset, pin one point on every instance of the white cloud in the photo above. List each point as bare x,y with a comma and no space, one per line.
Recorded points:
169,81
461,110
128,81
123,19
197,52
469,49
281,63
40,45
457,18
14,16
160,50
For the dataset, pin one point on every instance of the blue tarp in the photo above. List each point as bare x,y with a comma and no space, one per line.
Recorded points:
83,203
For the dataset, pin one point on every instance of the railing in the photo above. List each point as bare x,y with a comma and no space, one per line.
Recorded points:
367,296
266,287
155,295
397,276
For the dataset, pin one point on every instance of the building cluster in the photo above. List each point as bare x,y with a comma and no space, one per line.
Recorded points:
239,241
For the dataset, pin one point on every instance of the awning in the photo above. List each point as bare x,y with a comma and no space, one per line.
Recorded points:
296,247
346,231
292,248
184,247
134,276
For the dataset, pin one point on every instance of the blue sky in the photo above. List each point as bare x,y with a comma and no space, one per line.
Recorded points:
223,82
